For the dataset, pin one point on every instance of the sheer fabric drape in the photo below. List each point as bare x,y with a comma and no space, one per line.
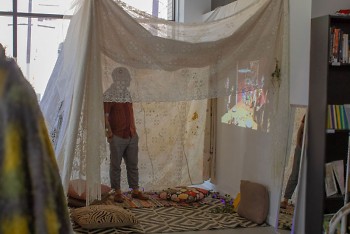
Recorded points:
169,63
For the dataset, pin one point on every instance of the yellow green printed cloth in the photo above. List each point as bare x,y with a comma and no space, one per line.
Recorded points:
31,195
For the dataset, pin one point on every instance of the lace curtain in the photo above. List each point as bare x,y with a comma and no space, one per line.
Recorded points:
170,63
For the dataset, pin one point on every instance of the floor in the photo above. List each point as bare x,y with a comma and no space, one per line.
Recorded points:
258,230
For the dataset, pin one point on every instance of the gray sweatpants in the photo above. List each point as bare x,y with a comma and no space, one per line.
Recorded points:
126,149
293,178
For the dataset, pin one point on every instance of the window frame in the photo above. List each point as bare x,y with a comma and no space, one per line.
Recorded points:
15,14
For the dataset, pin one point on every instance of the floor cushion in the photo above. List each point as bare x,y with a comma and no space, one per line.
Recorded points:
73,202
103,216
254,201
74,194
183,194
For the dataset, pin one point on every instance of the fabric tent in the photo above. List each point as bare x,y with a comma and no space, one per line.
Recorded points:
171,64
32,198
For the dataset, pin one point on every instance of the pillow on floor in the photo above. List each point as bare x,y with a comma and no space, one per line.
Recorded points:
76,203
74,194
254,201
183,194
103,216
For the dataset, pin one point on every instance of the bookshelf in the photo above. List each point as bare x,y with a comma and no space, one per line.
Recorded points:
329,85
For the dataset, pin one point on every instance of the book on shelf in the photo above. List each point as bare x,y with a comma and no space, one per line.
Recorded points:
339,47
347,113
338,117
345,46
338,170
334,178
330,183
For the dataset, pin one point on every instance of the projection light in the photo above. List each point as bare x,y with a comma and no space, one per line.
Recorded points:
246,99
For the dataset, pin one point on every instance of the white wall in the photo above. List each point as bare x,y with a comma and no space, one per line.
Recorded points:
191,11
300,15
326,7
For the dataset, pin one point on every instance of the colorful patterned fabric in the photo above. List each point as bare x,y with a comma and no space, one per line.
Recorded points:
183,194
153,201
31,197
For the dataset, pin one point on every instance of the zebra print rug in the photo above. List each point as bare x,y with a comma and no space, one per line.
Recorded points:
177,219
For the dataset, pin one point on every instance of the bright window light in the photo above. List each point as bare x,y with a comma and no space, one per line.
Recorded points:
39,39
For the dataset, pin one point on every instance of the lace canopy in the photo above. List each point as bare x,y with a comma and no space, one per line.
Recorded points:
170,64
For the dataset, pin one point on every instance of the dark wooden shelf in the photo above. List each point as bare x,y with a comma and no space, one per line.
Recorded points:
329,85
335,131
333,203
341,65
340,18
335,197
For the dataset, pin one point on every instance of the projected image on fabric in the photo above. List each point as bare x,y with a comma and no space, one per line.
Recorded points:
247,97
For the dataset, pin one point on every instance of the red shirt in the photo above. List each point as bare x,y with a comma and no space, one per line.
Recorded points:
121,118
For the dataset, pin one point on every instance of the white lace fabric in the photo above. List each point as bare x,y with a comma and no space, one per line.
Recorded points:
171,64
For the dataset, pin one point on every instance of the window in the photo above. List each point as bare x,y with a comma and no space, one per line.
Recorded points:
6,29
60,7
33,31
158,8
38,48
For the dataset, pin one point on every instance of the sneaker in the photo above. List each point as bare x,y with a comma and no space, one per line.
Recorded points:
139,195
118,197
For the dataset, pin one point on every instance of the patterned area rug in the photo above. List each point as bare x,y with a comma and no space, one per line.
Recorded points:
176,219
